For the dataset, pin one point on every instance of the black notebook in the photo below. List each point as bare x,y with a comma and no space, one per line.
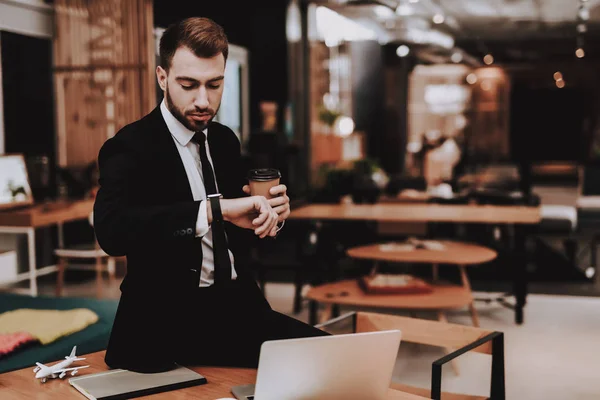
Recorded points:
122,384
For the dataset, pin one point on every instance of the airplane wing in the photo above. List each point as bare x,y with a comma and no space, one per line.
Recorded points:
61,373
39,366
69,369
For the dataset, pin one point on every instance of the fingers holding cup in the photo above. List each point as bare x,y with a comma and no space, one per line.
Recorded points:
278,190
281,205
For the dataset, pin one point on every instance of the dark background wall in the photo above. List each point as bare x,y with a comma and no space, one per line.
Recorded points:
366,58
548,123
28,96
396,71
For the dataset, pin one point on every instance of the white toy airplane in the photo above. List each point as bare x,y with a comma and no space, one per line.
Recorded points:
60,369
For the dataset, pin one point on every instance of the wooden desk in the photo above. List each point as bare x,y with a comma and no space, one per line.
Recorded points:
26,220
521,217
21,384
391,212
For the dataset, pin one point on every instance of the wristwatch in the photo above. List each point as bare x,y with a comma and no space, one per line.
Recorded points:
215,207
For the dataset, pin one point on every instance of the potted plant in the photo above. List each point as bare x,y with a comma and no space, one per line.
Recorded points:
332,183
369,180
328,117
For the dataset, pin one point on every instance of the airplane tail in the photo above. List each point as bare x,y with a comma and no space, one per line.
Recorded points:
78,359
73,352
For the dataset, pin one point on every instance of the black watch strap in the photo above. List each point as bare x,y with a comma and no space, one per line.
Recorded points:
215,207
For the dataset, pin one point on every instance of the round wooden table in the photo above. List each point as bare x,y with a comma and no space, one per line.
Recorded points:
435,252
456,253
349,292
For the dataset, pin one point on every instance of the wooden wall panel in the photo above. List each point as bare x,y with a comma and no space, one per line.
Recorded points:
104,72
489,136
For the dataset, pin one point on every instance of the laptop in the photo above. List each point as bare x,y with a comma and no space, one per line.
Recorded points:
351,366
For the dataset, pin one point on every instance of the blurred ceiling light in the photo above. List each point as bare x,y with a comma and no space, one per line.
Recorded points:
581,28
332,41
488,59
414,147
456,57
560,84
446,99
344,126
329,101
438,19
493,73
383,11
334,28
452,22
472,79
583,13
413,1
486,85
402,50
557,76
429,36
293,22
590,272
460,121
405,9
432,135
580,53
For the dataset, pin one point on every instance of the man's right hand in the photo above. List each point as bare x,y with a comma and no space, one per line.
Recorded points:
250,213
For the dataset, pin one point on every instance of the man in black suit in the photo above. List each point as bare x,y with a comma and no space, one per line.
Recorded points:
179,305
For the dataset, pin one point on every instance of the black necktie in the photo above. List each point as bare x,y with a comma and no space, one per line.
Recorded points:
207,171
221,254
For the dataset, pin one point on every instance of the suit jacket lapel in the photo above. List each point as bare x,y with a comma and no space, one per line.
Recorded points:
170,158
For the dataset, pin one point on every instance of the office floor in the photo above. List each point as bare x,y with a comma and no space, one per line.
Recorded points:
553,356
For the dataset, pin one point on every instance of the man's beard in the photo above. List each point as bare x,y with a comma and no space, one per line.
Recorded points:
194,126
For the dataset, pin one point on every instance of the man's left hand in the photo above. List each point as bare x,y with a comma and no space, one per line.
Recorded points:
280,201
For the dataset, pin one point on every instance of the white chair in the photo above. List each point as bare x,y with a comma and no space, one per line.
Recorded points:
82,252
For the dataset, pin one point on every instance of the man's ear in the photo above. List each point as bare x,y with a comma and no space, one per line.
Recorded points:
161,77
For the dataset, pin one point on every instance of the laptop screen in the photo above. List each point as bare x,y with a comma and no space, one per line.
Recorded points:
15,189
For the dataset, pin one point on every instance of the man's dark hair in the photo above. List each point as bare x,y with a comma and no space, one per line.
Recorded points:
203,36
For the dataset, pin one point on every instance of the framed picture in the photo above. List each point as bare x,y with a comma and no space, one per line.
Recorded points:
15,188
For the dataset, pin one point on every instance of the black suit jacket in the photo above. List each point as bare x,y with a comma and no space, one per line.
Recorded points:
145,210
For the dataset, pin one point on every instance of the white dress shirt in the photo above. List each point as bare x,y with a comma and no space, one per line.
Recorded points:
190,156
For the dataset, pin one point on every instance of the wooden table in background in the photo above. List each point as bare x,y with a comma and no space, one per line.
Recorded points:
459,254
521,217
349,293
393,212
27,219
21,384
